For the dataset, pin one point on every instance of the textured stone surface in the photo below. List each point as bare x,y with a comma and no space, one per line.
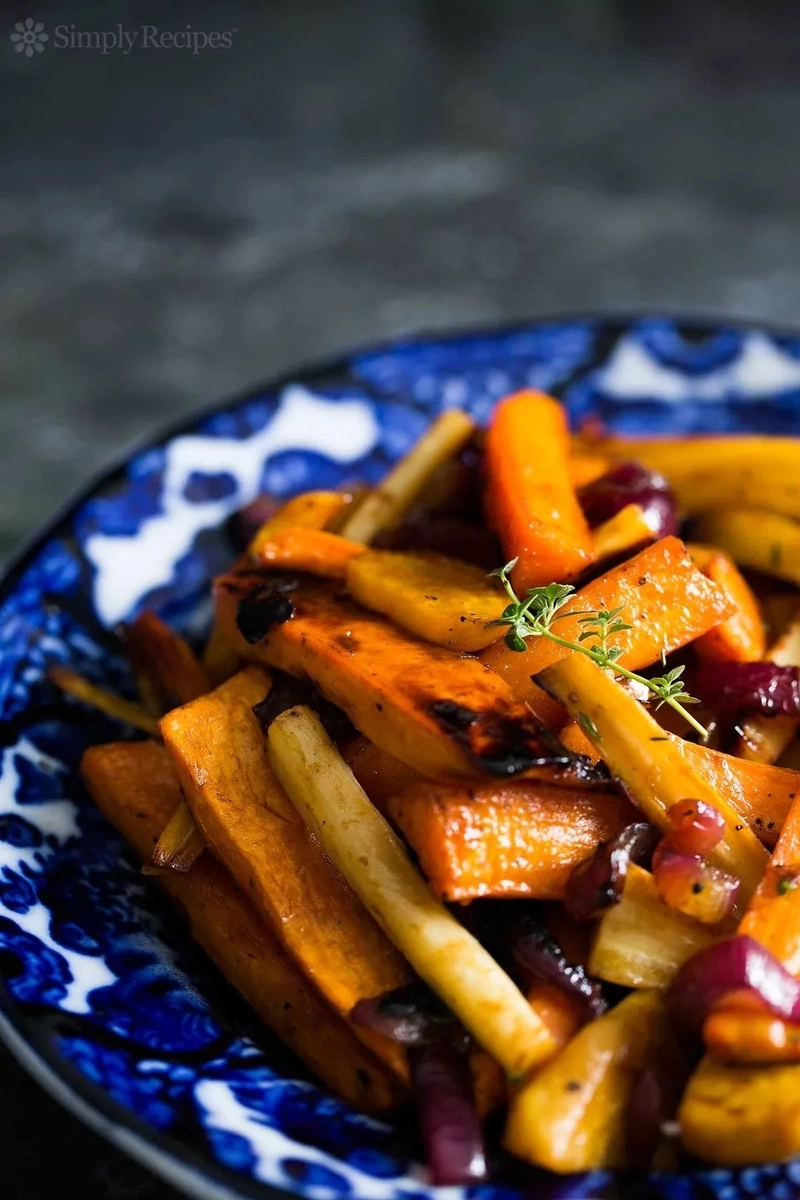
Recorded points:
176,228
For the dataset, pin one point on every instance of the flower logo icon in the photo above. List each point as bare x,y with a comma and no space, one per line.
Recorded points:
29,37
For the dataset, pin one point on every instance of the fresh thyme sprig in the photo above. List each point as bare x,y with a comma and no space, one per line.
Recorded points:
543,606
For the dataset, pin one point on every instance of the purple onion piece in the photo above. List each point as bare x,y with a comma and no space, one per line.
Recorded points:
749,687
242,525
597,883
646,1111
630,483
412,1015
736,964
538,957
451,1129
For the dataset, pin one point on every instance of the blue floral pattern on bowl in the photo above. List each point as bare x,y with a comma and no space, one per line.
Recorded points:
102,994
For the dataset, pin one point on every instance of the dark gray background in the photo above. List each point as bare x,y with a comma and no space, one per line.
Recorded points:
175,228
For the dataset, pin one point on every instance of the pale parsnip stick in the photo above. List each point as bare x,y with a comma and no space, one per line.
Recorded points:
384,508
371,857
112,705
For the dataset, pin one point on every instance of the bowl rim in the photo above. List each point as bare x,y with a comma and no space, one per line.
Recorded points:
180,1165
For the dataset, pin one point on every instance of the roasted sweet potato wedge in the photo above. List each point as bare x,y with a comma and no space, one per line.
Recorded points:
135,787
220,757
513,839
642,588
442,714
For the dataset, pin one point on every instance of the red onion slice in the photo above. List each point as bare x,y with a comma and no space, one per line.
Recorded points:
451,1129
412,1015
630,483
597,883
730,966
750,687
538,957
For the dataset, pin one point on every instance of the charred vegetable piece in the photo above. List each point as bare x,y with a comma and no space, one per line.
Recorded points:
740,638
641,588
654,771
573,1116
627,483
134,786
362,846
512,839
530,500
715,472
441,714
220,757
441,600
598,881
412,1015
641,942
539,958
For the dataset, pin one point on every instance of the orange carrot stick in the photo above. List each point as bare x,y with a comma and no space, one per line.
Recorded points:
665,598
312,550
166,660
529,494
586,468
504,839
751,1037
561,1013
741,637
773,915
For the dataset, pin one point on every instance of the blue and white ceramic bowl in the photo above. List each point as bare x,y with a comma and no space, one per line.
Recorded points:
102,995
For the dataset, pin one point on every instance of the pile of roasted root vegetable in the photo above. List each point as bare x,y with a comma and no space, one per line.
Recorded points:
488,837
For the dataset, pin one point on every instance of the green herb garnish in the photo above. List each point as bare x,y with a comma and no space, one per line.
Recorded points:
542,607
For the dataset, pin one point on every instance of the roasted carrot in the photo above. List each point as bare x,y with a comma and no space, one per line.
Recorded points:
561,1013
740,638
762,739
649,764
773,915
303,549
440,713
664,597
751,1037
513,839
531,500
166,659
220,757
715,472
380,774
627,530
134,786
442,600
